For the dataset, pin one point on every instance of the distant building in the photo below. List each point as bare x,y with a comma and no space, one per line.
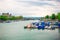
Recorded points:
6,14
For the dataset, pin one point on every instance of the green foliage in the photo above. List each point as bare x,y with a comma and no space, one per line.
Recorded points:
16,17
58,16
12,18
53,17
4,18
47,17
20,17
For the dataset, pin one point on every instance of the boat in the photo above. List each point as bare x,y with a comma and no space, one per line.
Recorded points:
42,25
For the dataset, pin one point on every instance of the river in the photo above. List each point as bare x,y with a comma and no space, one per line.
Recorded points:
16,31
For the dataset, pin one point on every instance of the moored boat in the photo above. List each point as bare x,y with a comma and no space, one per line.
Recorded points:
43,25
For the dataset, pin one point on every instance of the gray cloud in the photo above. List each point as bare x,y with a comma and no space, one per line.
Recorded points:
30,7
38,3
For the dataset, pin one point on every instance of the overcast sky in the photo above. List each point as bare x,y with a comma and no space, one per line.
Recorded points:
30,7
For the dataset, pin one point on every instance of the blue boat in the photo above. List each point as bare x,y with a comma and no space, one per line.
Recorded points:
39,27
47,24
59,24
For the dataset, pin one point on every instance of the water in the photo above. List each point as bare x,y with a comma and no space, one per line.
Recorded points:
16,31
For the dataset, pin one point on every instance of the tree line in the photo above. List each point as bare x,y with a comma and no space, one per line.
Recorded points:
4,18
53,16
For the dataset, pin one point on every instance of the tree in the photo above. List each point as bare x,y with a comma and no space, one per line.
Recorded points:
58,16
20,17
4,18
53,17
47,16
12,18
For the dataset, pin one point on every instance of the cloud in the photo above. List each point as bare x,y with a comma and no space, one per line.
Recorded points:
30,7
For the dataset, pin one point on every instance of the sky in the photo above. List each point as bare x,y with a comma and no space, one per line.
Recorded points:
30,7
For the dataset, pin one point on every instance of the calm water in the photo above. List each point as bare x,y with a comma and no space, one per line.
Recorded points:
16,31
